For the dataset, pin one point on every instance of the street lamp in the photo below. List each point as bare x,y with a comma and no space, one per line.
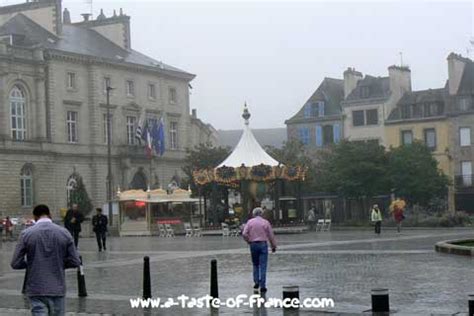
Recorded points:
108,89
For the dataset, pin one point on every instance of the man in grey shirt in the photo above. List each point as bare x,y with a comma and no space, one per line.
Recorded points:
49,250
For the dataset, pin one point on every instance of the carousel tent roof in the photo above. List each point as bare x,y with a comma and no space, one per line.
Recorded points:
248,151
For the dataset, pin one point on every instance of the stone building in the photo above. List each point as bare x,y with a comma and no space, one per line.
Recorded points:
461,117
423,116
368,101
318,124
53,122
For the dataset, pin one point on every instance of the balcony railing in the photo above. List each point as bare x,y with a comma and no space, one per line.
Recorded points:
464,181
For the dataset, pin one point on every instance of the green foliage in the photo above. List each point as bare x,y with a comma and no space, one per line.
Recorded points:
355,170
365,169
414,174
80,197
203,156
294,153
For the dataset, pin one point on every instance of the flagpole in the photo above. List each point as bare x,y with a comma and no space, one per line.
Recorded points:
151,170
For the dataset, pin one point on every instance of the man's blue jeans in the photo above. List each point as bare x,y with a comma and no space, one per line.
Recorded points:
47,305
259,251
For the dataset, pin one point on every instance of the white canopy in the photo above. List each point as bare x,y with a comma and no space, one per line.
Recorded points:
248,151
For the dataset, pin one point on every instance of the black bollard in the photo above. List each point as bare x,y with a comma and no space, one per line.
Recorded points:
146,278
23,289
81,281
291,292
471,304
214,283
380,301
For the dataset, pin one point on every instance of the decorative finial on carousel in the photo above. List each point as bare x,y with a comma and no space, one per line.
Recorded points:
246,114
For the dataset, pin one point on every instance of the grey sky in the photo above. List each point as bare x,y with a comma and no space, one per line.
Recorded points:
274,54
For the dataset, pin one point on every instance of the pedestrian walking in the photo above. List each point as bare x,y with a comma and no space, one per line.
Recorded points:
311,219
257,233
99,224
397,209
72,222
8,229
376,217
45,250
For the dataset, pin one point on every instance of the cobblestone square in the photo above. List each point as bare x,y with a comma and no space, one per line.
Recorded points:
343,265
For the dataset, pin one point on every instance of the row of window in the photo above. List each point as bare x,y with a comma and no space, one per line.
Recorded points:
130,91
324,135
429,135
130,128
422,110
18,123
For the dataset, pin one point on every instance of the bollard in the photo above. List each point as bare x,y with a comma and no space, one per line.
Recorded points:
146,278
380,301
471,304
214,283
23,289
291,292
81,281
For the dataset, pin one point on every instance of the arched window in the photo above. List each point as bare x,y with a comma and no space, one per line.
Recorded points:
18,113
26,184
139,181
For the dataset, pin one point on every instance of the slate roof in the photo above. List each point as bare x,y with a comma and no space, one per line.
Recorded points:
331,91
378,87
419,98
77,39
274,137
466,86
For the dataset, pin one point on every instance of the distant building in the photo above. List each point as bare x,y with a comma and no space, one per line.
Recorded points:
318,123
369,101
266,137
423,116
461,117
53,122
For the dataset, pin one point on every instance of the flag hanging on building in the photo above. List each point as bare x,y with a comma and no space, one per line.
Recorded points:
158,137
161,136
148,143
139,130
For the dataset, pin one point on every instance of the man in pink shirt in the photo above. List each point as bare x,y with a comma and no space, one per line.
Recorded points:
257,232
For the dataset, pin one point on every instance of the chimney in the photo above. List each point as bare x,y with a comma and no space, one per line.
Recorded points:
400,81
66,16
194,113
351,77
456,64
86,16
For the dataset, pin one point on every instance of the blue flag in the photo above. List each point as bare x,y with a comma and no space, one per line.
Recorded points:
154,133
161,137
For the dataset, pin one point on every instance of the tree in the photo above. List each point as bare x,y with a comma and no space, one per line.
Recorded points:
80,197
204,156
294,153
414,174
355,169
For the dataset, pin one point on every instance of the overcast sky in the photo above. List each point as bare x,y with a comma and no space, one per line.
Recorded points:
274,54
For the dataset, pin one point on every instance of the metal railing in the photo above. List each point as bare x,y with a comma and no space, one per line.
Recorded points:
464,181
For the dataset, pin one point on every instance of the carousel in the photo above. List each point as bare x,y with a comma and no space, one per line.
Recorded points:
258,179
142,212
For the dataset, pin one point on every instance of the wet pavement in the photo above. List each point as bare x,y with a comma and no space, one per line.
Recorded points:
343,265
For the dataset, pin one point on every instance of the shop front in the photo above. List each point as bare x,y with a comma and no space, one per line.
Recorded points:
141,213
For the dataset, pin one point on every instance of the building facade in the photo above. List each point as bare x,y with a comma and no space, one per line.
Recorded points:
461,117
53,113
319,124
369,101
423,116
